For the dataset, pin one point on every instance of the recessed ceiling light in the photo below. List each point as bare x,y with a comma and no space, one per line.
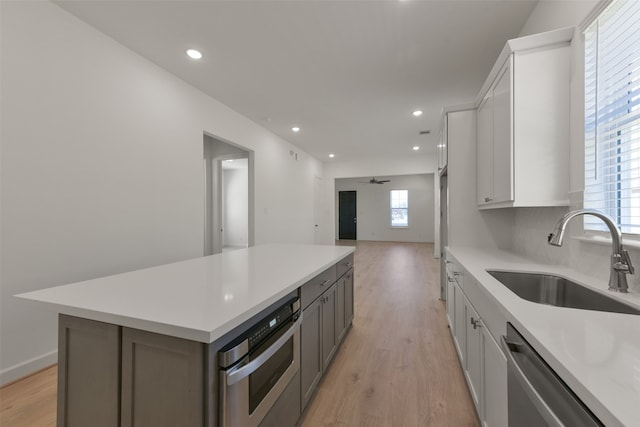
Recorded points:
194,54
296,128
332,155
416,148
417,113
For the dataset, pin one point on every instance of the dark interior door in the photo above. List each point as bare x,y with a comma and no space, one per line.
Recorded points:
347,215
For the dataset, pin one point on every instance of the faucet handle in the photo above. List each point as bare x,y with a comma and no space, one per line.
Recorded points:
624,263
627,260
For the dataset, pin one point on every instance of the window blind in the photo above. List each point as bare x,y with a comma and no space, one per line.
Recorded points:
612,116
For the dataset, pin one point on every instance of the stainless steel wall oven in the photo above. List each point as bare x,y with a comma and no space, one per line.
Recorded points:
257,367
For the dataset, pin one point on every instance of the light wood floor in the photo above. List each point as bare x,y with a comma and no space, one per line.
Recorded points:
396,367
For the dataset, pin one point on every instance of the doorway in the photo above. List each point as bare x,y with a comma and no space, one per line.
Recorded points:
228,196
235,203
318,210
347,218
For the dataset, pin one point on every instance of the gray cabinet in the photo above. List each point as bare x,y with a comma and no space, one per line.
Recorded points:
318,341
348,299
88,373
340,324
162,380
344,305
310,350
324,324
328,326
116,376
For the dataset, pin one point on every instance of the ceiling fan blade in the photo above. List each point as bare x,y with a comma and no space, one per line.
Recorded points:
383,181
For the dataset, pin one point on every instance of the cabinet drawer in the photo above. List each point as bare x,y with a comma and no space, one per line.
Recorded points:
344,265
488,310
316,286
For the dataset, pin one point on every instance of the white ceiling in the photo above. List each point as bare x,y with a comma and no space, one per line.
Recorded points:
349,73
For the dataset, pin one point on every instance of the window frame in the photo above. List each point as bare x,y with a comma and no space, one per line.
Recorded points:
393,208
623,215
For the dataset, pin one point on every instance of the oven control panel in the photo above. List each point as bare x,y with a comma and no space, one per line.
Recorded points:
258,333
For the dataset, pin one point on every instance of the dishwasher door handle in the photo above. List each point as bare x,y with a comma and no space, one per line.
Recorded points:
543,409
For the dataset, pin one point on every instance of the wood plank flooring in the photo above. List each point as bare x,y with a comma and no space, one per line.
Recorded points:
396,367
31,401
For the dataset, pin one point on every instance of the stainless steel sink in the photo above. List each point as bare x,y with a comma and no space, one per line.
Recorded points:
558,291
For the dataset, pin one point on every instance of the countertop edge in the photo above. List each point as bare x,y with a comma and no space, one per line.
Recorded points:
206,336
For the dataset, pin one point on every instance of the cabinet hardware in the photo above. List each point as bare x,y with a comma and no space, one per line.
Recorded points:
325,282
457,273
476,323
487,199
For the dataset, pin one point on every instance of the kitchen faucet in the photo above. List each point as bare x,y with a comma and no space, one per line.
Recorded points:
620,261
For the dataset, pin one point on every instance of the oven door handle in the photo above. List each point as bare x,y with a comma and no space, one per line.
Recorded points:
543,409
237,374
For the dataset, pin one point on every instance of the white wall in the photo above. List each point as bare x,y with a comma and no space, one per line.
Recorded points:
469,226
236,213
533,225
102,169
400,165
373,208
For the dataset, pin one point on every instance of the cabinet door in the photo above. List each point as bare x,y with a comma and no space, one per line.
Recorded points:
502,166
494,383
473,351
340,300
328,326
451,304
310,350
459,327
484,130
88,372
348,299
162,380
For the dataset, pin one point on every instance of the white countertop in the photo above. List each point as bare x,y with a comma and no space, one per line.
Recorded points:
596,353
199,299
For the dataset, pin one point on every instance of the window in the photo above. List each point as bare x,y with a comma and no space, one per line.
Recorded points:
612,116
399,208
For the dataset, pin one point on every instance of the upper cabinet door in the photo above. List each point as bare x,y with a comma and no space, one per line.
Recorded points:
484,149
523,131
502,164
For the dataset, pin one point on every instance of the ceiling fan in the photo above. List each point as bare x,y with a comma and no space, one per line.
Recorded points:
374,181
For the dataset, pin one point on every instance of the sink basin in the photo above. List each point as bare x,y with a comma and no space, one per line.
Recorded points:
558,291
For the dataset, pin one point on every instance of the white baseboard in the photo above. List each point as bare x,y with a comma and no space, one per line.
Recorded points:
28,367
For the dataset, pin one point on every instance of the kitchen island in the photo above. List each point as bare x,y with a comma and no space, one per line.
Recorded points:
141,347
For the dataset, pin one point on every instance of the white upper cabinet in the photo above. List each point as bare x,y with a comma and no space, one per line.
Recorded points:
523,124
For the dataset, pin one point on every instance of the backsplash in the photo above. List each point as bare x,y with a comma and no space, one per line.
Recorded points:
533,225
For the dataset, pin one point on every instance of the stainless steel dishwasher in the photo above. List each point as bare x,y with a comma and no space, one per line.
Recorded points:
537,395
